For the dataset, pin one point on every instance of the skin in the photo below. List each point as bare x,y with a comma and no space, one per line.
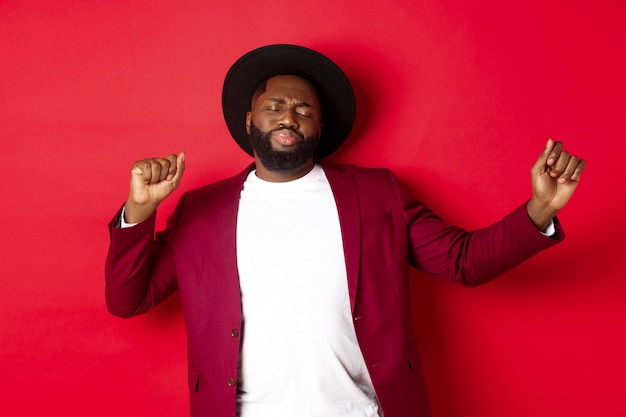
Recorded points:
554,178
290,102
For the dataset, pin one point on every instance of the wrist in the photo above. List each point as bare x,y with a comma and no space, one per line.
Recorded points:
136,213
540,213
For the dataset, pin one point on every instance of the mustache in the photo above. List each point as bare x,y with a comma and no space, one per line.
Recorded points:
290,129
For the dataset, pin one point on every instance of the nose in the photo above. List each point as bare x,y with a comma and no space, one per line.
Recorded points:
288,119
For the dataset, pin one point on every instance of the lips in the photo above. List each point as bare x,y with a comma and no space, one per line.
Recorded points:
286,137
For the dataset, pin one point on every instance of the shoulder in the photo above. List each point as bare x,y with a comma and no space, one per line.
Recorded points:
362,176
358,171
210,199
225,187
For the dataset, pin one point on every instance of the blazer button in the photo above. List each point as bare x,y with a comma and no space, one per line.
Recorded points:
231,382
234,332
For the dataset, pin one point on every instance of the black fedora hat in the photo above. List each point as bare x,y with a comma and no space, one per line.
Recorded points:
333,88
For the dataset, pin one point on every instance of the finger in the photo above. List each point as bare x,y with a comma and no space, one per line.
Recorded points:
167,167
540,165
180,168
142,169
561,163
568,172
578,170
172,166
555,153
156,168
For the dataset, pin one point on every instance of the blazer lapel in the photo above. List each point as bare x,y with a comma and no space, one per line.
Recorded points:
346,195
228,207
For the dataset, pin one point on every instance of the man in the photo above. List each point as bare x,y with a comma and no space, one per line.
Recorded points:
293,274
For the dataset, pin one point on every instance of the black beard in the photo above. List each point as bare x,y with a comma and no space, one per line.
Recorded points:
274,160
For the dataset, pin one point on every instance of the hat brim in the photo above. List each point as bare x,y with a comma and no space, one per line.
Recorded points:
334,90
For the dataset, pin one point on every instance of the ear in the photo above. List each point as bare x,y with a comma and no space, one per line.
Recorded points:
248,122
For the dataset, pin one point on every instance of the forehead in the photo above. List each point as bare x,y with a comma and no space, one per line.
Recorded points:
291,86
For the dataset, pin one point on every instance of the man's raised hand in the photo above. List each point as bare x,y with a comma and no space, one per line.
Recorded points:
554,178
151,181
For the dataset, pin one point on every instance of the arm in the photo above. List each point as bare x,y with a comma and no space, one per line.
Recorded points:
475,257
139,270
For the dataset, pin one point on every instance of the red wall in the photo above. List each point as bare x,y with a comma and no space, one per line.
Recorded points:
457,97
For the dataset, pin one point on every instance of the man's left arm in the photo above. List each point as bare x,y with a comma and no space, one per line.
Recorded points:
475,257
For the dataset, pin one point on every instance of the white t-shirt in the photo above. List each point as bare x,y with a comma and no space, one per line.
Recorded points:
299,353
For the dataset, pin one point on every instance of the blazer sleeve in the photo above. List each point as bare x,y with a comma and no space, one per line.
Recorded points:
139,268
473,257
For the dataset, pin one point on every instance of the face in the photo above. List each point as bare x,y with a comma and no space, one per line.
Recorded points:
284,123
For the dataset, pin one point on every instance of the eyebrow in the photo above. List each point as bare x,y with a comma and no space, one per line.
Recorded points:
281,100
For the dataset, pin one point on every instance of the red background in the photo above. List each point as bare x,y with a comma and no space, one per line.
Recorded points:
457,97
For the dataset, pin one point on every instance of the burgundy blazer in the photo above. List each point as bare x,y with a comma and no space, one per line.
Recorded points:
384,231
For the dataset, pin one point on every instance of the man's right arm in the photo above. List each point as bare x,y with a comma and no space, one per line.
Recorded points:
139,270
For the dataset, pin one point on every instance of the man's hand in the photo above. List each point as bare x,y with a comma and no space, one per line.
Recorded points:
554,178
151,181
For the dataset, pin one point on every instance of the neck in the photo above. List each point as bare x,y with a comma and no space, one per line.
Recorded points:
283,176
